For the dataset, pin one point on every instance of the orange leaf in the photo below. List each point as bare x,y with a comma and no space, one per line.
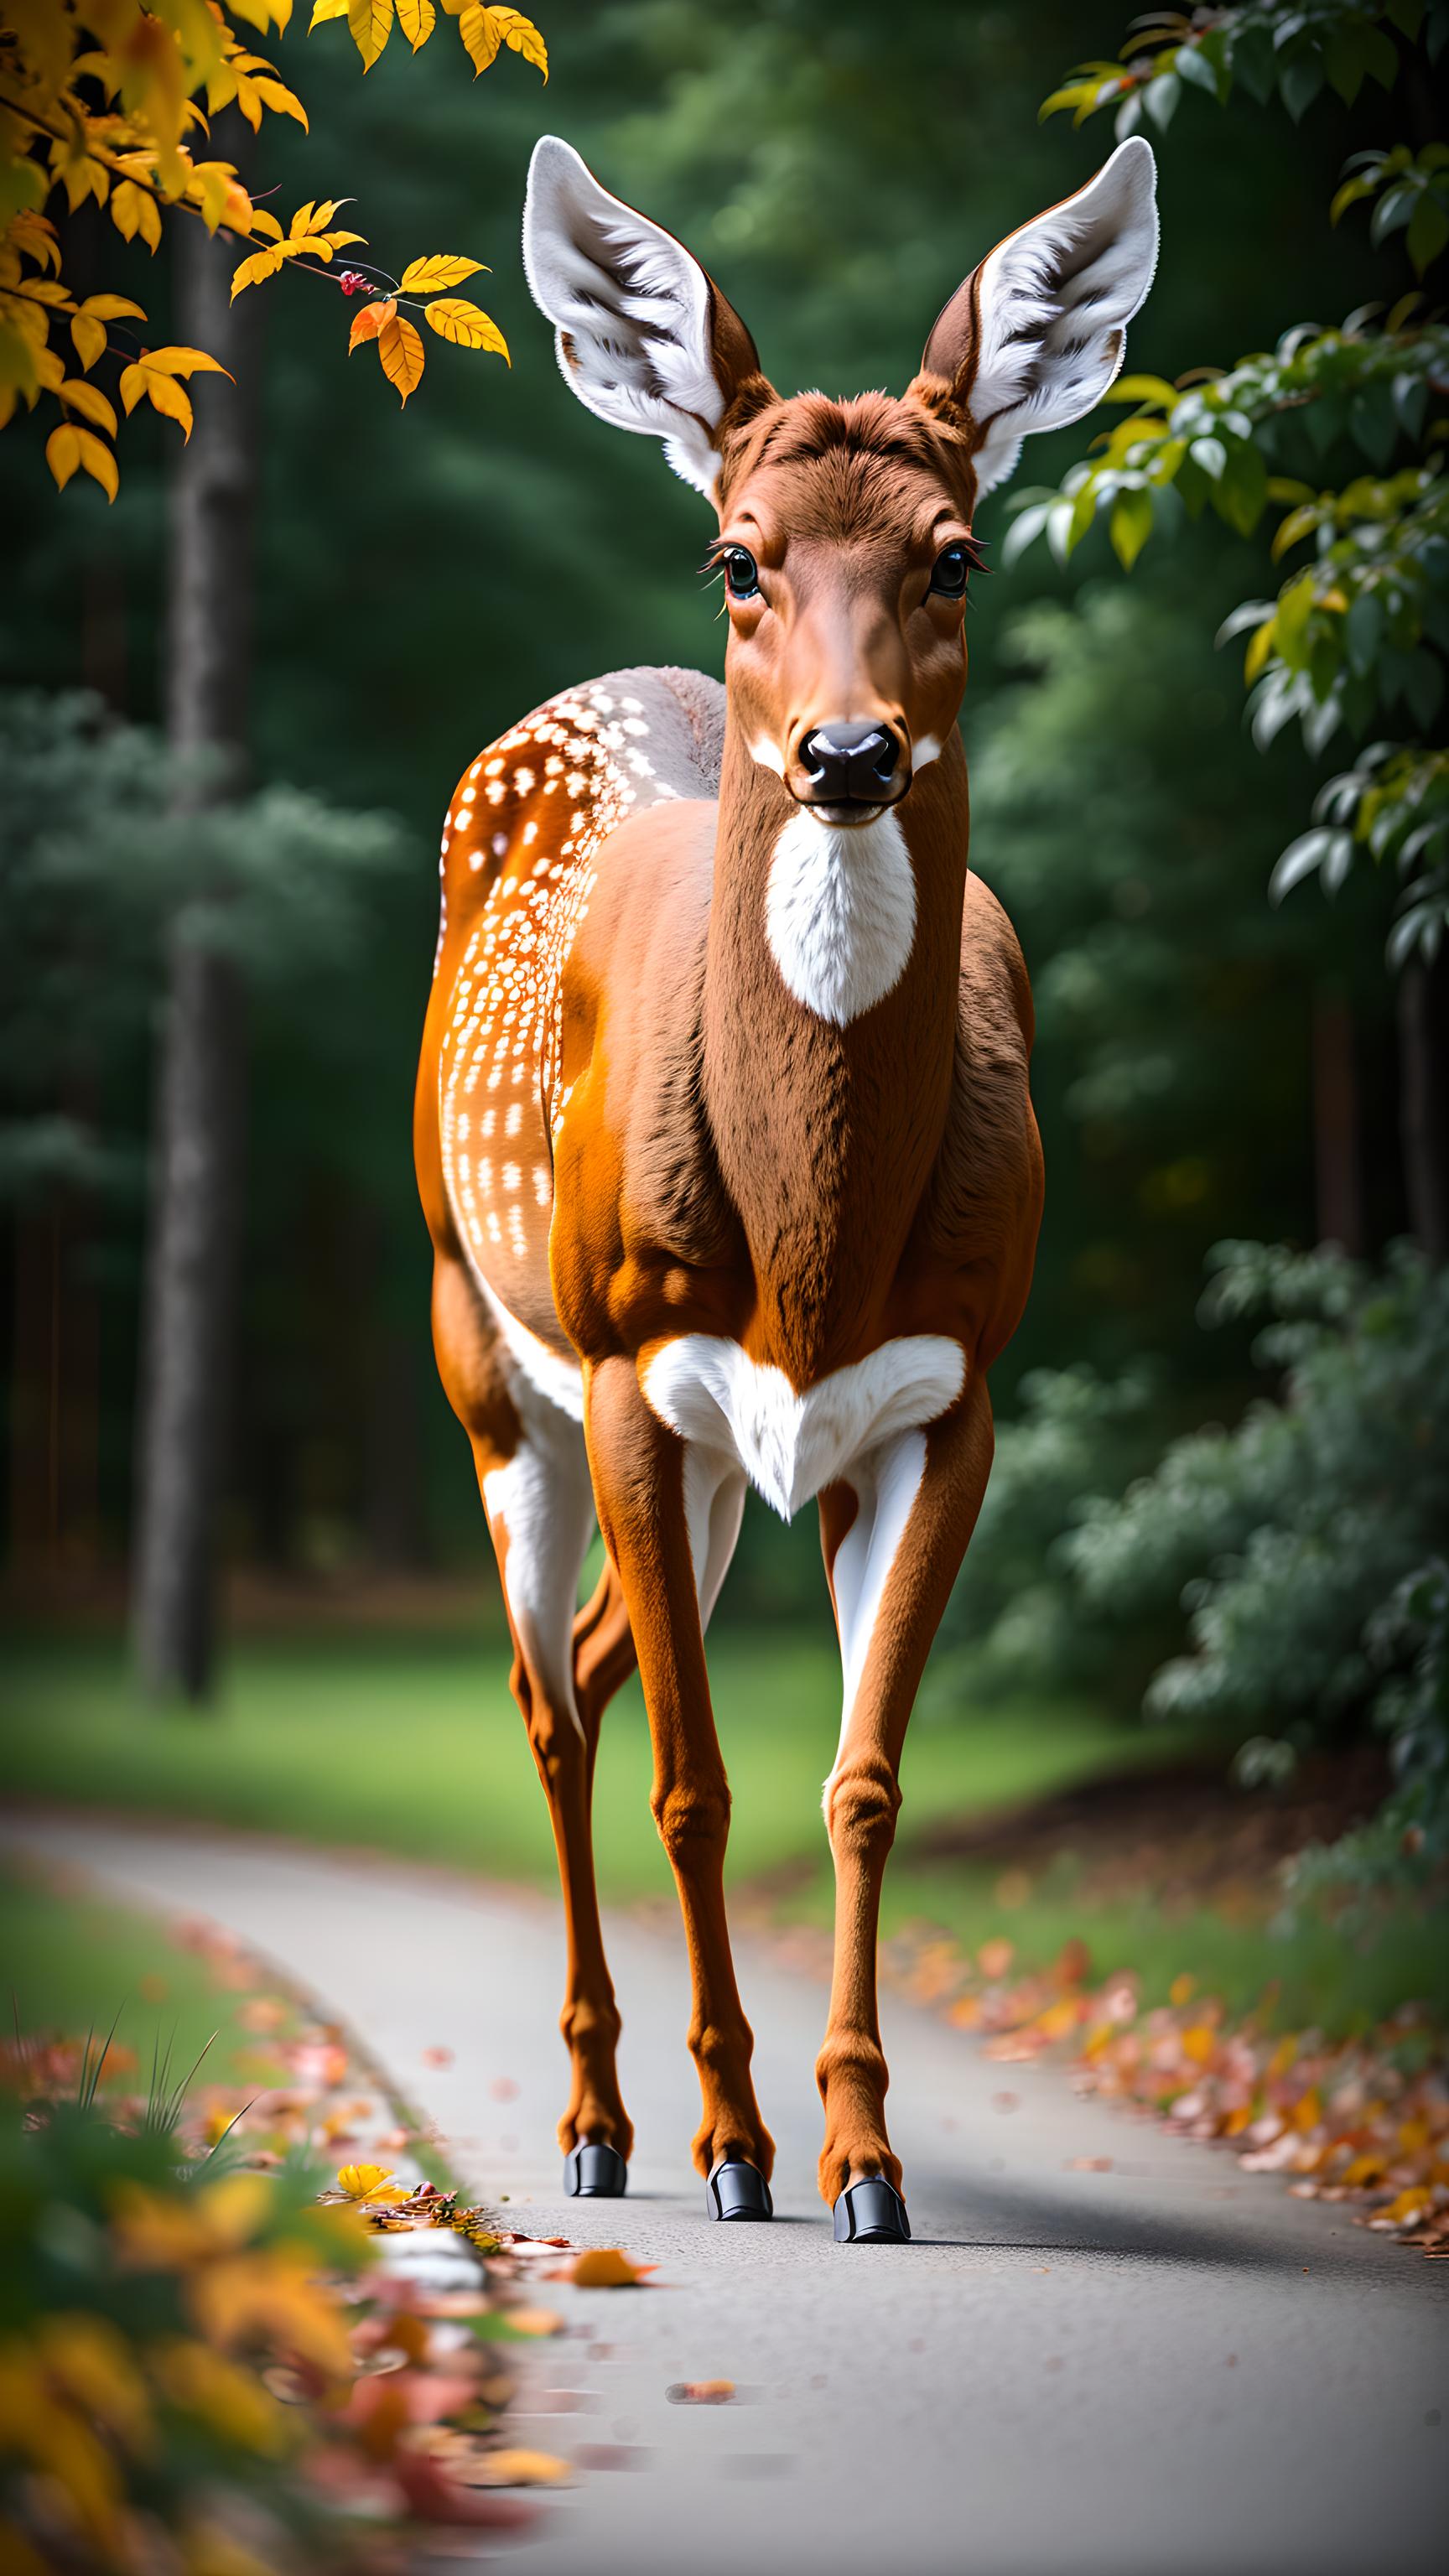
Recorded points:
367,324
401,352
606,2267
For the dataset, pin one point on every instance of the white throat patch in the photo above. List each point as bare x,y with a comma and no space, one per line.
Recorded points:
840,913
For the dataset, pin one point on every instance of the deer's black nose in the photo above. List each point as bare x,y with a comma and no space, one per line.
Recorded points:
849,764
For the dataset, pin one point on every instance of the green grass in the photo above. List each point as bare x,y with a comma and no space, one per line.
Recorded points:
408,1743
411,1744
74,1962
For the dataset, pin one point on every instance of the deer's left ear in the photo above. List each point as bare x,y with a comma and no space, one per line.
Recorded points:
644,337
1034,337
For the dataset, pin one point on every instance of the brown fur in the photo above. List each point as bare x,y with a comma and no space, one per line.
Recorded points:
705,1155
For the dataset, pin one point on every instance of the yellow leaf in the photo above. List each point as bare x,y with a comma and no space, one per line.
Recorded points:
360,2182
484,30
89,401
371,25
417,19
1415,2203
126,204
185,362
429,276
519,2469
466,325
401,352
112,308
158,388
98,462
170,399
263,263
322,10
62,454
89,336
1258,651
265,222
367,324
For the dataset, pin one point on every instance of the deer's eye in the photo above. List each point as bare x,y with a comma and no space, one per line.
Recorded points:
948,580
741,572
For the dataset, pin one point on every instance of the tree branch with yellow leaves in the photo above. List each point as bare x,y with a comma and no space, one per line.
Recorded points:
107,101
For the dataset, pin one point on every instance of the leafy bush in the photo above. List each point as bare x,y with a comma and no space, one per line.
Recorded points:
1075,1433
141,2303
1305,1546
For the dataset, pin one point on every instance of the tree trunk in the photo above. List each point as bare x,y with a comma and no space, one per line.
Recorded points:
1424,1101
197,1137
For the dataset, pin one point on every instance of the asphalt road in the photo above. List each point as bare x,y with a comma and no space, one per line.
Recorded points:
1167,2366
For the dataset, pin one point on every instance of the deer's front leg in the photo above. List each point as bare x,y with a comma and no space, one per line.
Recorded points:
638,1469
894,1537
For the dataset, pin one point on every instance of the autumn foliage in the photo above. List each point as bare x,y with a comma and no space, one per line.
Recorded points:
107,102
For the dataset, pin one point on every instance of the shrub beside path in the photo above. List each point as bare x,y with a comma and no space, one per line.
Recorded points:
1104,2350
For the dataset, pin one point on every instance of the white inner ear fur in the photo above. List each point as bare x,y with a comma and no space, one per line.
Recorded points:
1054,301
630,309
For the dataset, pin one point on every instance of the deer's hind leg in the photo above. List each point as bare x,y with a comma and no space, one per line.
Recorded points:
534,1479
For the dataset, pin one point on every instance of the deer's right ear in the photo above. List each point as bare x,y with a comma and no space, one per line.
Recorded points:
643,335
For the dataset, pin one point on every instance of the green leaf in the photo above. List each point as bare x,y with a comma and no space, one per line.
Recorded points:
1290,626
1300,82
1428,231
1374,421
1160,99
1189,66
1363,631
1141,389
1381,56
1130,525
1424,686
1241,489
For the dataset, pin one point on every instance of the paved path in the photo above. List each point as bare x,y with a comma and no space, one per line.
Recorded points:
1171,2366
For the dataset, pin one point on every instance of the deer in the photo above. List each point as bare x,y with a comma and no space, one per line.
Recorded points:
724,1133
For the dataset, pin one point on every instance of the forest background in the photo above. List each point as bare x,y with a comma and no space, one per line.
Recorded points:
1212,1068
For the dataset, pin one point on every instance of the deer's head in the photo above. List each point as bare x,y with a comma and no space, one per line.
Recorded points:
844,527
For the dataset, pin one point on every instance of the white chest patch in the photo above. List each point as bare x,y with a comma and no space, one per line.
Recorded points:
790,1445
840,913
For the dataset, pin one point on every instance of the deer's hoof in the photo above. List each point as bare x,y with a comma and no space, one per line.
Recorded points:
593,2171
738,2190
871,2213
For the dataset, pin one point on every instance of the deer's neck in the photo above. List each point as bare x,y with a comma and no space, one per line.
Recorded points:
831,987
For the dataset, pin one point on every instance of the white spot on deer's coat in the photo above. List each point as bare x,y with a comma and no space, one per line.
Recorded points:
840,913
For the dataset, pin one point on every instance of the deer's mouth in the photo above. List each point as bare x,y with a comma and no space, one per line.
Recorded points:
846,813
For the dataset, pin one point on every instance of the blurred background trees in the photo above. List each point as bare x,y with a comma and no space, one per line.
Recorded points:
1210,1068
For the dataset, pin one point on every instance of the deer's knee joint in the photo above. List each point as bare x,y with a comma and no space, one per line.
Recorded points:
861,1805
590,2019
692,1817
854,2059
720,2050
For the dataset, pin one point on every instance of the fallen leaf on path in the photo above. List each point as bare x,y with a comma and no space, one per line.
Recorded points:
515,2469
700,2392
606,2267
